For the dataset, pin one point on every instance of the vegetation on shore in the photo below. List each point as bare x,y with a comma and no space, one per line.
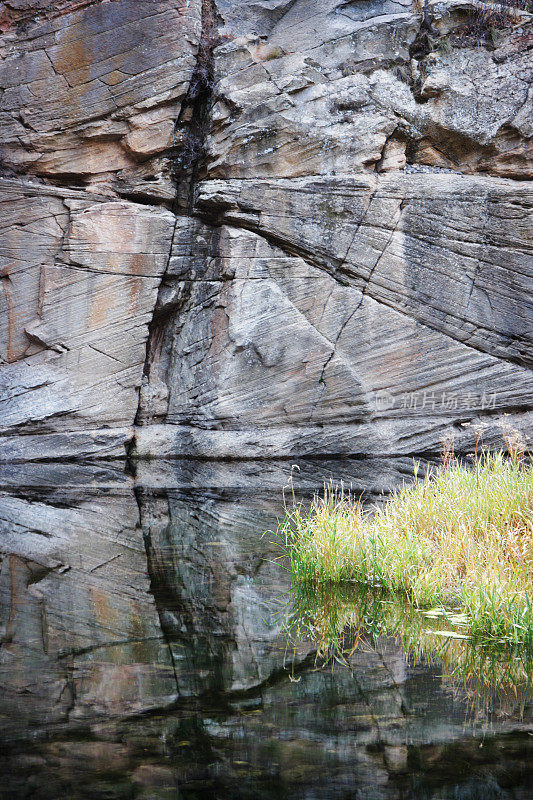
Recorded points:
459,540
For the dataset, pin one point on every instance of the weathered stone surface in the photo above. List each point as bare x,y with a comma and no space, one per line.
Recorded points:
376,310
370,478
333,83
90,91
450,251
80,280
270,355
91,96
350,270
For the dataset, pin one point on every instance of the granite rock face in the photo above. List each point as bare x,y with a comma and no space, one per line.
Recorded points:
80,288
281,228
92,90
91,97
342,87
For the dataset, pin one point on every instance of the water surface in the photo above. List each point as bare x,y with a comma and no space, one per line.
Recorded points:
144,652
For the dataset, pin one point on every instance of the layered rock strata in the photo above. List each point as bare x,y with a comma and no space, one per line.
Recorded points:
278,229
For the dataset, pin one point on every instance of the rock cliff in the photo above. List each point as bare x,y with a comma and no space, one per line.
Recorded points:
279,228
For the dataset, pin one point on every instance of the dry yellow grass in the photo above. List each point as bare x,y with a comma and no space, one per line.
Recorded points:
461,537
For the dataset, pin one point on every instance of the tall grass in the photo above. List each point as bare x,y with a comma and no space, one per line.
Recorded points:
461,538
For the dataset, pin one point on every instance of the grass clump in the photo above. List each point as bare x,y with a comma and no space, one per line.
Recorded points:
461,538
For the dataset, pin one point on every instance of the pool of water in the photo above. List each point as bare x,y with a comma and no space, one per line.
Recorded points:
145,652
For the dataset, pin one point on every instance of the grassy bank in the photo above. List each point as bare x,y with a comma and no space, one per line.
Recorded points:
460,538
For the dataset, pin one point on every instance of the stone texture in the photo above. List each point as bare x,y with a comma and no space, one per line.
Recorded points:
349,270
91,95
80,280
333,83
451,252
272,355
90,91
384,303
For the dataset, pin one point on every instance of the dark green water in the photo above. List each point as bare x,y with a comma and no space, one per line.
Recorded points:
144,654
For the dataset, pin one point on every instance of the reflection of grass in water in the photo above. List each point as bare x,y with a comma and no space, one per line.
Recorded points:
461,538
340,619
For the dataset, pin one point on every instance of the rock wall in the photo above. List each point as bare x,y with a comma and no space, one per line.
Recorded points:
284,228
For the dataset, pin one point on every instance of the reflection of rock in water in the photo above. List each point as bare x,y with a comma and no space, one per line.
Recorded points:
83,651
80,633
218,587
209,568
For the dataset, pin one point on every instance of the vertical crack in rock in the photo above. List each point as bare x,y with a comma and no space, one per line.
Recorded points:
191,129
152,571
194,118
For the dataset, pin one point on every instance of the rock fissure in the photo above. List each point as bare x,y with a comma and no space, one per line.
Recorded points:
345,277
273,218
191,129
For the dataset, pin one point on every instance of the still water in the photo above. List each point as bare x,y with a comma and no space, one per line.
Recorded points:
151,648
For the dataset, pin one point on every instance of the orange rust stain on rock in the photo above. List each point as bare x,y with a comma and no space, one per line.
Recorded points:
138,633
100,303
19,578
7,20
75,5
11,17
70,57
114,77
104,613
73,56
5,280
50,279
136,283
